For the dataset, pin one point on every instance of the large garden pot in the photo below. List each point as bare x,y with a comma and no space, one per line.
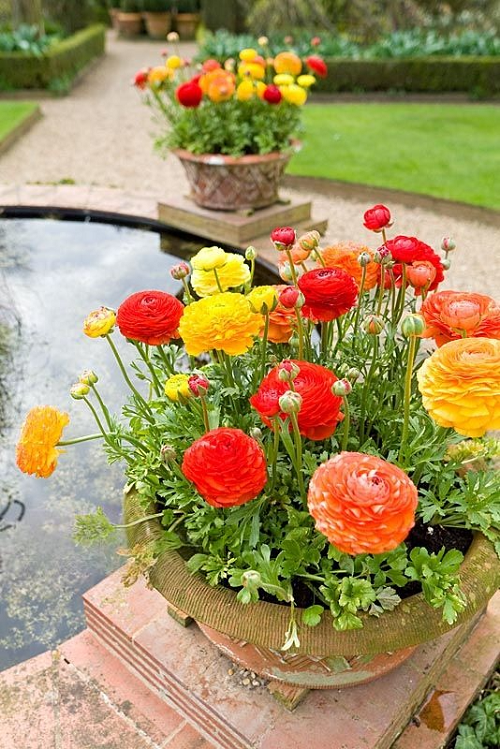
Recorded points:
254,634
228,183
129,24
186,25
157,24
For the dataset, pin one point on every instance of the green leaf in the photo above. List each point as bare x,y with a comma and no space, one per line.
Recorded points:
92,528
312,615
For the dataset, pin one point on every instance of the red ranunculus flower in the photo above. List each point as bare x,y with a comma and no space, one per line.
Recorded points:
272,94
320,410
377,218
409,250
189,94
283,236
317,65
329,293
227,467
150,316
141,78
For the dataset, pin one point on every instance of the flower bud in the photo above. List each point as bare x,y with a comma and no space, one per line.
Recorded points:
283,237
315,41
287,370
250,253
310,240
262,41
421,274
353,374
251,579
180,271
341,388
413,325
100,322
290,402
198,384
285,271
291,298
256,433
382,256
79,390
172,36
448,244
88,377
167,454
364,259
373,324
446,263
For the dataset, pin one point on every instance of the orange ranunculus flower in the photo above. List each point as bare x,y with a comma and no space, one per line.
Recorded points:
345,256
460,385
281,321
362,503
218,85
36,450
288,62
451,315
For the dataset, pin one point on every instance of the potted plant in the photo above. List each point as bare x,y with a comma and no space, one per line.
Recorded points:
129,19
231,125
299,468
187,18
157,17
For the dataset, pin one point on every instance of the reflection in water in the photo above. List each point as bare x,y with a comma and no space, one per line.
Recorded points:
51,275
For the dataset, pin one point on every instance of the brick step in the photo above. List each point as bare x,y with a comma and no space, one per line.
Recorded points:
181,667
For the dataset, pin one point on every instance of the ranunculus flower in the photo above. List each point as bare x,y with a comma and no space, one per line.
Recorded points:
317,65
460,385
345,256
449,314
189,95
377,218
262,299
421,274
150,316
159,74
294,94
329,293
99,322
411,250
210,65
231,273
320,410
283,236
272,94
36,451
177,387
362,503
226,466
287,62
141,78
245,90
223,321
281,319
209,258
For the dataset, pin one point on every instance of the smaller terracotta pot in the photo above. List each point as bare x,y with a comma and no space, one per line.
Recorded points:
186,25
129,24
157,24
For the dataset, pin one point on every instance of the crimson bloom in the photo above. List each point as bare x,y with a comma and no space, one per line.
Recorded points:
411,250
328,292
377,218
283,236
272,94
227,467
320,410
317,65
141,78
150,316
189,95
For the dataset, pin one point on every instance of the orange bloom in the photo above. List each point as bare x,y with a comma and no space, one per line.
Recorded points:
281,321
218,85
36,450
460,385
361,503
345,256
287,62
450,314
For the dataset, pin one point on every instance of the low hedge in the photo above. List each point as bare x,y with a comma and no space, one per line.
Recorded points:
477,75
59,64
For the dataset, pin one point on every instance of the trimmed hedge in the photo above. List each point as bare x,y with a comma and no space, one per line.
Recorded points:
60,63
476,75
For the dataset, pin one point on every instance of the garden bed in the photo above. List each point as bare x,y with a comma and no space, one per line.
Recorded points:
57,68
15,119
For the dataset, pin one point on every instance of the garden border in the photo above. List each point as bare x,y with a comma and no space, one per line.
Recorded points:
20,129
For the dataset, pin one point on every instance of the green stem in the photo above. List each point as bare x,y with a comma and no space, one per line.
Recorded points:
274,454
104,408
76,440
400,304
149,365
142,520
298,454
141,400
381,289
165,360
300,331
347,424
292,267
186,289
407,395
219,286
360,293
264,345
324,339
205,413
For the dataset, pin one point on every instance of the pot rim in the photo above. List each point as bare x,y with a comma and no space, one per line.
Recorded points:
220,159
412,622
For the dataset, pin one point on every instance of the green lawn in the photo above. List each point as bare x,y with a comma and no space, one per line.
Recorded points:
450,151
13,114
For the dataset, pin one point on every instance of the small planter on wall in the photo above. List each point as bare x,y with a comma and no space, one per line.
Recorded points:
157,24
129,24
186,25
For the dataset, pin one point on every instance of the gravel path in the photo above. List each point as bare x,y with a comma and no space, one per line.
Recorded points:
100,135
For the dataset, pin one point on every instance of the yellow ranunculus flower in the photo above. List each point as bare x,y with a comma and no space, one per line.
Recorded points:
36,450
245,90
252,70
294,94
208,258
248,54
260,87
283,79
306,80
460,385
233,273
173,62
288,62
99,322
262,299
177,388
224,322
158,75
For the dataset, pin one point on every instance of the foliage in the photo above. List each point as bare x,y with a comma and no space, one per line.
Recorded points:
480,727
156,6
26,39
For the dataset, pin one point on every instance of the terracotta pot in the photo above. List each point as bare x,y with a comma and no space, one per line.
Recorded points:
129,24
228,183
186,25
113,14
253,635
157,24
